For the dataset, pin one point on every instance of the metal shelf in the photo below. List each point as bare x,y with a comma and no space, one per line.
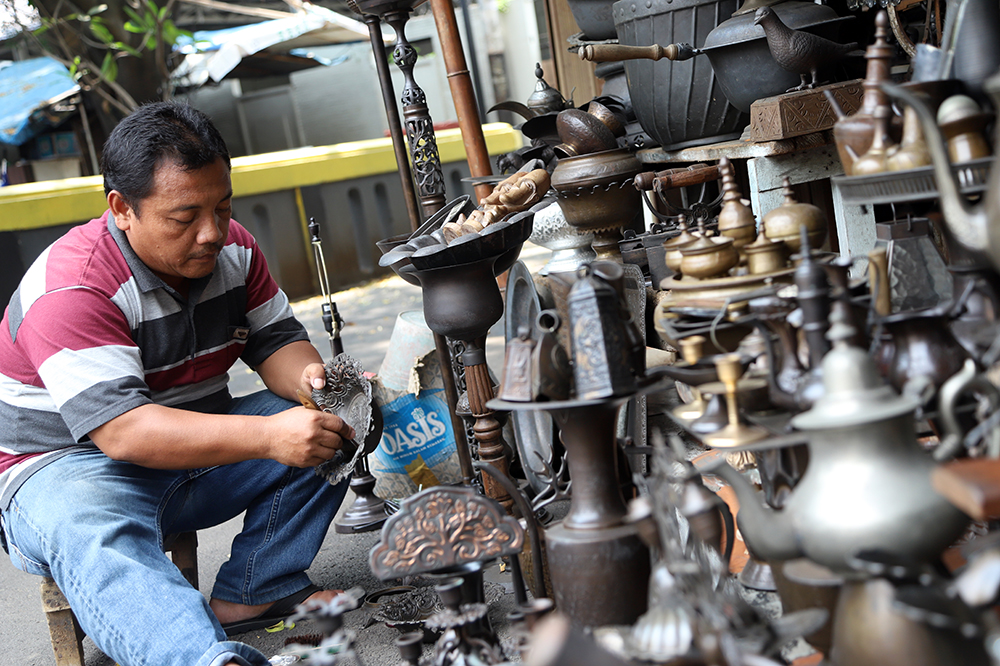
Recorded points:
911,185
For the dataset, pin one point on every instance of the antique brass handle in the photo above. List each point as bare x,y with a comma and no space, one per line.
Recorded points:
617,52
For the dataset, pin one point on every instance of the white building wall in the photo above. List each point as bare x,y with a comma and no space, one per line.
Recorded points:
343,102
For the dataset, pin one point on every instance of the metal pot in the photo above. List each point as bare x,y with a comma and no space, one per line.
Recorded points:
740,64
594,18
595,191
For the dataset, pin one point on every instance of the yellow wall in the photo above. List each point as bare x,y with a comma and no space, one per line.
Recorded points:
49,203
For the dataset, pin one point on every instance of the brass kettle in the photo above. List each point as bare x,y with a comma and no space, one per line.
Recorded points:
969,224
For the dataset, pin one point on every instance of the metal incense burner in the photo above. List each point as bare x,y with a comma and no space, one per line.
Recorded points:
461,301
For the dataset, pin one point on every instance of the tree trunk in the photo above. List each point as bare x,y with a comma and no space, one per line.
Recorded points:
140,78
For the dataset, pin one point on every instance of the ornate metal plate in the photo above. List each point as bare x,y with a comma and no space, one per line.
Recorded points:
441,528
533,430
348,394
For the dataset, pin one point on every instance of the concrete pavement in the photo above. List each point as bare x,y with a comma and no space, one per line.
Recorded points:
370,312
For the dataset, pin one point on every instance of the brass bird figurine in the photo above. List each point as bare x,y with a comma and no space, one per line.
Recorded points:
797,51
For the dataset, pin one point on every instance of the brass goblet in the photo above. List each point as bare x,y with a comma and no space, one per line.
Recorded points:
735,434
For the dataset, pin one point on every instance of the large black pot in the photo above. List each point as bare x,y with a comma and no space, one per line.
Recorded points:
594,18
679,104
740,55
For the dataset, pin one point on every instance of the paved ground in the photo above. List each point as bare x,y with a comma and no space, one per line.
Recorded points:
370,312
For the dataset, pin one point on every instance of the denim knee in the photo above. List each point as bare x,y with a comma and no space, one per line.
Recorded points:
261,403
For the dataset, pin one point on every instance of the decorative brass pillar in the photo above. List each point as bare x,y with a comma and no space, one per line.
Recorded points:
486,429
417,119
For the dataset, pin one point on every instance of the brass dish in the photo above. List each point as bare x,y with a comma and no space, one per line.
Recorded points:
684,284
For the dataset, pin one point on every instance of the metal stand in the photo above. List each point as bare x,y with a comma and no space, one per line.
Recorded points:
420,131
368,511
487,428
392,115
417,119
598,564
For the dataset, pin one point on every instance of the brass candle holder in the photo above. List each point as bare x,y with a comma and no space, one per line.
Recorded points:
730,370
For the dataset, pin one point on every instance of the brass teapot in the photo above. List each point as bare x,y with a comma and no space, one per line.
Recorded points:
868,483
969,224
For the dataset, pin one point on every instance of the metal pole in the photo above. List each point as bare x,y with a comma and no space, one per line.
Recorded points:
392,115
477,79
431,200
462,93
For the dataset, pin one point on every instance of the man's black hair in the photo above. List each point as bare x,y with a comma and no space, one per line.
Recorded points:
152,134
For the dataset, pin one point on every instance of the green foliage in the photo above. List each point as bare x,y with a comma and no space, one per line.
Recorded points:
152,23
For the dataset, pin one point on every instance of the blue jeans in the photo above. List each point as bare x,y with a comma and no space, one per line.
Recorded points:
96,527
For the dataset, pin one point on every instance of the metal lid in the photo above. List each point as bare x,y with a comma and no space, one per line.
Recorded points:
545,98
854,393
796,15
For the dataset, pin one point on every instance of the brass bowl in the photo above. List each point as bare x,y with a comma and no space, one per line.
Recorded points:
707,257
782,224
583,132
606,116
673,256
596,192
765,257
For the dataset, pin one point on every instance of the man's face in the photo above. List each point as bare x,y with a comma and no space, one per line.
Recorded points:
182,225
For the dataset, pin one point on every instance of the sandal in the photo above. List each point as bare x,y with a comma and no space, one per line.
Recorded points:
276,612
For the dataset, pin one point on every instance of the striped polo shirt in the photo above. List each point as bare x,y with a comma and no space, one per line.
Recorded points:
91,333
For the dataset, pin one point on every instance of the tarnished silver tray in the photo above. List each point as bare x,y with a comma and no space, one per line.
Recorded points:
910,185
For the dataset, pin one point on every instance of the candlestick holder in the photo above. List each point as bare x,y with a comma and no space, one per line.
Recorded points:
692,349
598,564
730,370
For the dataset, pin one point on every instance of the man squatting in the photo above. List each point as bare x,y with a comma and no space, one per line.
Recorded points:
116,422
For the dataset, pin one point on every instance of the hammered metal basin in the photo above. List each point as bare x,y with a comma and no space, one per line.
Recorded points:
679,104
595,192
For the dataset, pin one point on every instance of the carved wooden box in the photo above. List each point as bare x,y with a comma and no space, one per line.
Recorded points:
801,112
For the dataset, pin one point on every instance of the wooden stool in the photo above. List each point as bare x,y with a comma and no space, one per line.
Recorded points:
65,631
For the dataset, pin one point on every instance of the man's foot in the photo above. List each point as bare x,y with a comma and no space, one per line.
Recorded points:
236,618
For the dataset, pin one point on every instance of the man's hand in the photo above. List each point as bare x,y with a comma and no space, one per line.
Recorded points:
313,377
301,437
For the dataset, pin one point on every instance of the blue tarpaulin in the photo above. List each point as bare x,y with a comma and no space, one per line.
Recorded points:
27,89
